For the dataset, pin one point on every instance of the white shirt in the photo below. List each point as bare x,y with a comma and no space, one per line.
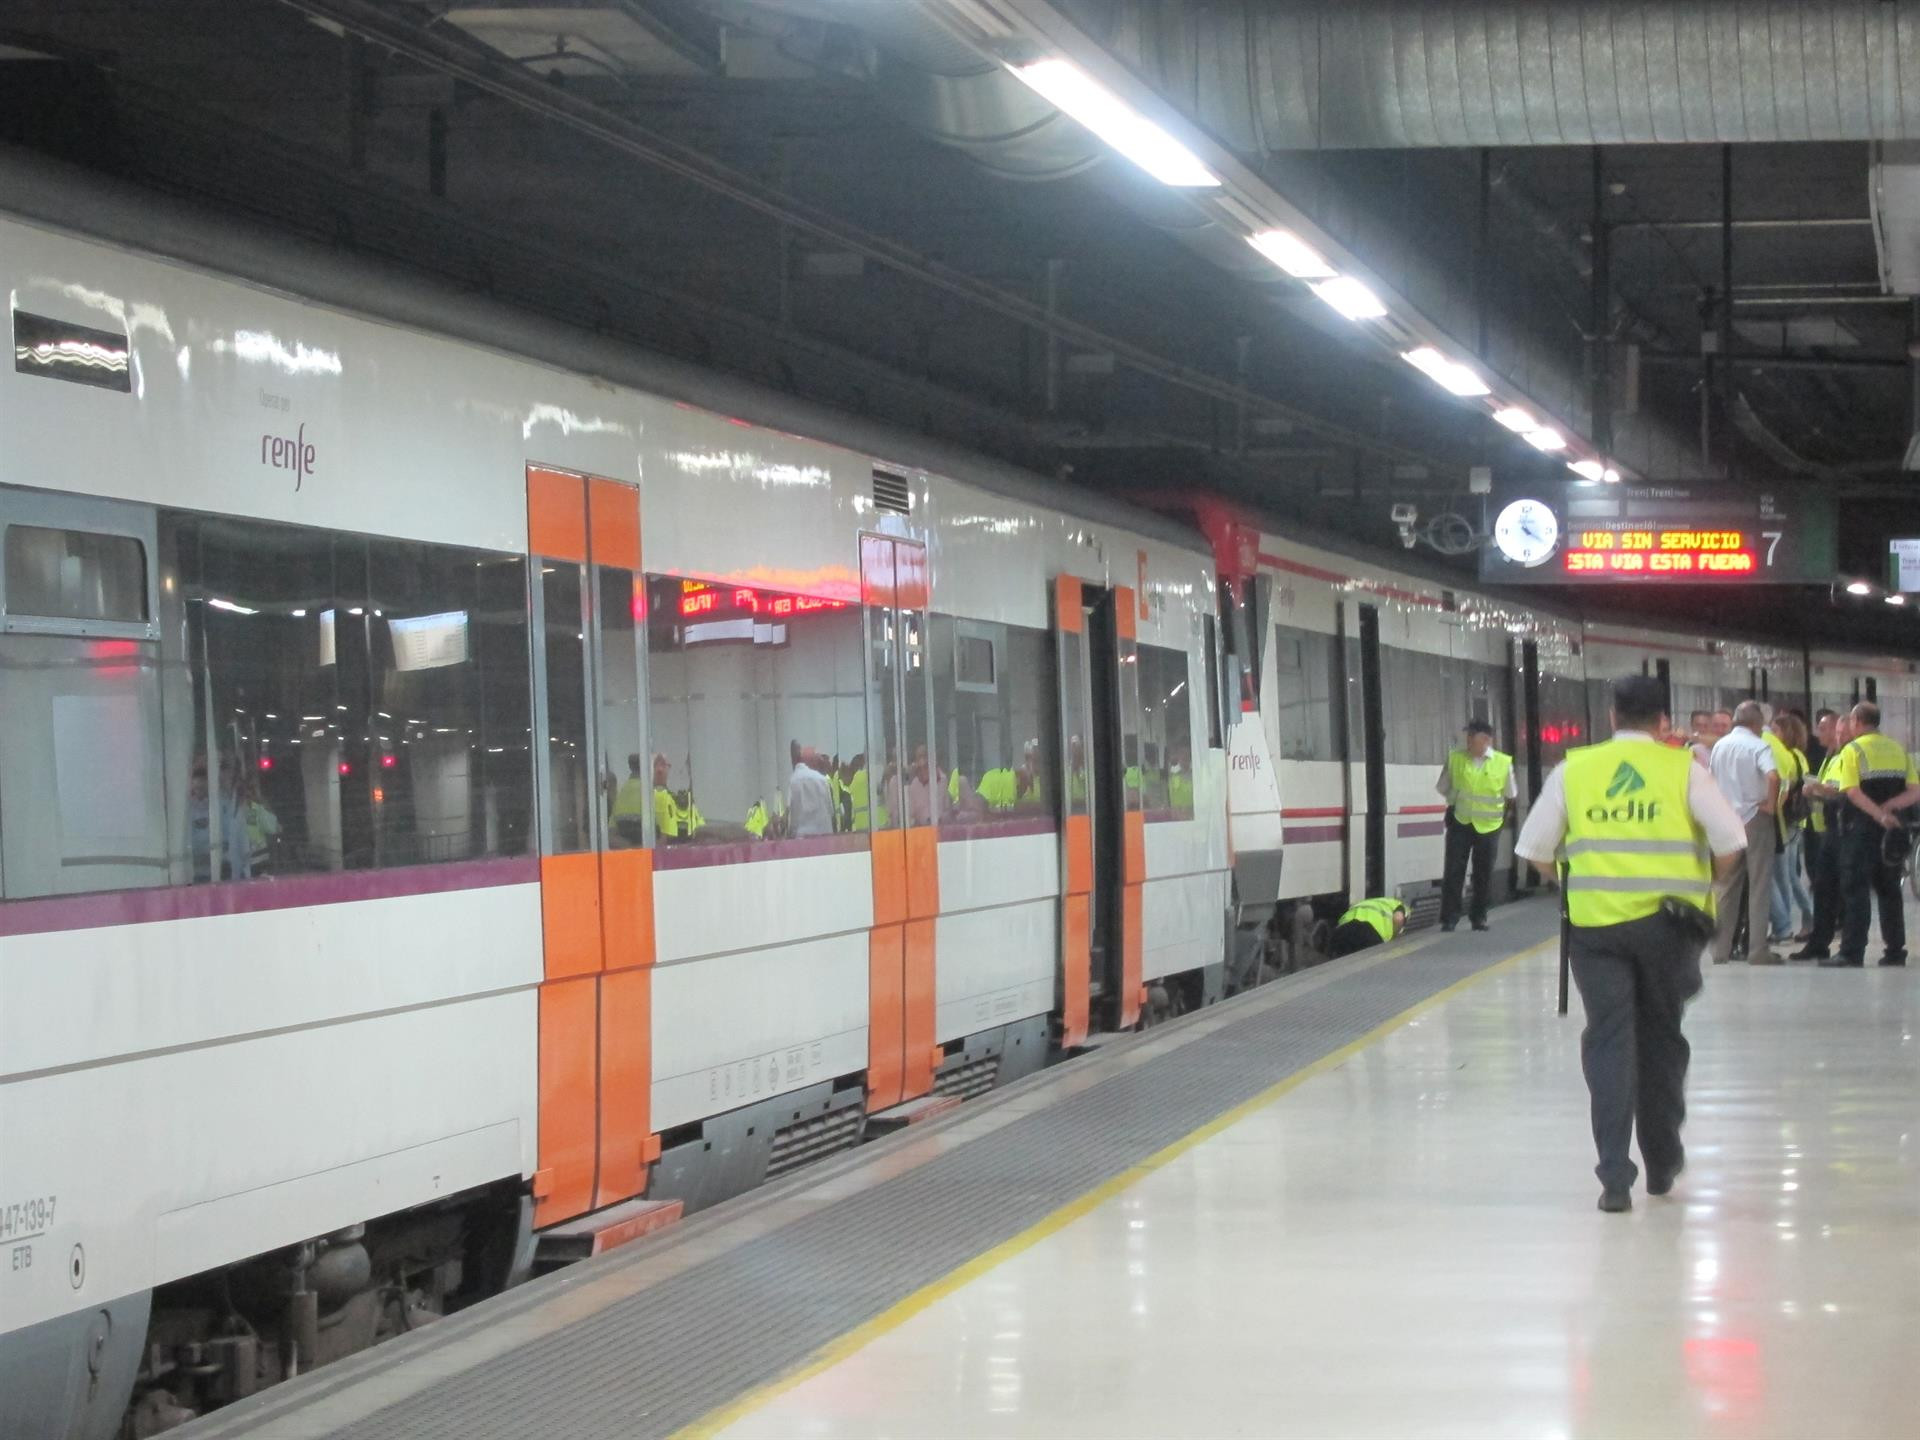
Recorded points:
809,802
1444,788
1546,827
1741,763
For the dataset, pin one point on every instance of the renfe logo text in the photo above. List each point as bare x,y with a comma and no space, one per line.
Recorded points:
279,453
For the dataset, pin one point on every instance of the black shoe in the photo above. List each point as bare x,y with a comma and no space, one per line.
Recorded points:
1659,1182
1616,1202
1482,925
1842,962
1807,952
1891,958
1449,926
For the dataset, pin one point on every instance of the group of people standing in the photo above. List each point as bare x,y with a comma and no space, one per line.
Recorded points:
1823,806
1669,846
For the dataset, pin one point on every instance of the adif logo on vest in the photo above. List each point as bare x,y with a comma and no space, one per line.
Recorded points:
1626,780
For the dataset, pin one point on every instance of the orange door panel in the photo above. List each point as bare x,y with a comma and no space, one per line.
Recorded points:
1133,943
626,908
923,872
570,913
556,515
885,1016
1076,969
1133,848
917,994
626,1085
564,1183
889,876
1079,847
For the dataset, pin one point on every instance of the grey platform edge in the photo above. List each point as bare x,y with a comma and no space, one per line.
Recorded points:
650,1363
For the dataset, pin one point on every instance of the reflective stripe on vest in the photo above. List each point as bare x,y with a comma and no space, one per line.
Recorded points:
1631,840
1479,793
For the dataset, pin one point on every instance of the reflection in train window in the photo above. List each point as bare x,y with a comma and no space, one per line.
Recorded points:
1166,734
994,733
352,703
1307,677
75,575
757,712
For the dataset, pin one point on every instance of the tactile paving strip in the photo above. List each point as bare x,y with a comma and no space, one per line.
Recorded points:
658,1360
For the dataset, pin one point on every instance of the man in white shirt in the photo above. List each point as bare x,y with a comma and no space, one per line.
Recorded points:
1743,766
809,799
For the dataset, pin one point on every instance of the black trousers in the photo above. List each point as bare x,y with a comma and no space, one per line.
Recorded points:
1352,936
1863,878
1635,980
1465,843
1823,865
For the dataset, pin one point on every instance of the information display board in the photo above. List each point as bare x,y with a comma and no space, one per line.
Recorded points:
1682,533
1903,565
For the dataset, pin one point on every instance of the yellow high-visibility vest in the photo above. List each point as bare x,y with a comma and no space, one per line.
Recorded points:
1479,792
1377,913
1631,840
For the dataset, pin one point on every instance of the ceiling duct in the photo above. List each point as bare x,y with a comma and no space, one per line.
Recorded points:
954,94
1408,74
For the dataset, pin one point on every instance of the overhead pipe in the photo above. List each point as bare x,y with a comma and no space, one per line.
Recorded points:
950,92
1274,75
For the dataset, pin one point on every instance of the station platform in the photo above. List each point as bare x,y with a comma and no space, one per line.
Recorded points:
1357,1202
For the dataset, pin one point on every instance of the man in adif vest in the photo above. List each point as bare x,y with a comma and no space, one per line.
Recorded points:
1478,783
1365,924
1823,835
1878,780
1643,831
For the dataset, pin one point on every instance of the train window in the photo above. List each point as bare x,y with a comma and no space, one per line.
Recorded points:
449,757
354,703
1307,678
996,741
1166,734
757,709
1211,644
61,350
569,767
1424,703
75,575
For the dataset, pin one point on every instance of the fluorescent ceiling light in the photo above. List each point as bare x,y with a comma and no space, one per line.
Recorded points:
1590,469
1292,254
1896,599
1859,587
1546,438
1516,419
1071,89
1350,298
1612,477
217,603
1449,375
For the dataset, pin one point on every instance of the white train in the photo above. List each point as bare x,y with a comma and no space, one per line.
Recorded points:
458,775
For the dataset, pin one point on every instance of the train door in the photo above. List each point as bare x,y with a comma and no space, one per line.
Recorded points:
1103,859
82,795
596,874
1509,723
1373,723
903,799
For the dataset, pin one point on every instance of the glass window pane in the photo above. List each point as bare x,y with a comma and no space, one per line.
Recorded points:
1076,722
624,776
569,766
1306,675
996,740
1166,734
756,704
1132,775
451,749
77,575
919,791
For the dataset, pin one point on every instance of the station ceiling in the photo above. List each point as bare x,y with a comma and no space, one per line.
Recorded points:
748,184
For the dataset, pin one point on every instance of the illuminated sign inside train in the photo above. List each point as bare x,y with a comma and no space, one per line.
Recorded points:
1579,534
701,600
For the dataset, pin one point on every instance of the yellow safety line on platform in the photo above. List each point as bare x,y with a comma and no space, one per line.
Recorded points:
901,1311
